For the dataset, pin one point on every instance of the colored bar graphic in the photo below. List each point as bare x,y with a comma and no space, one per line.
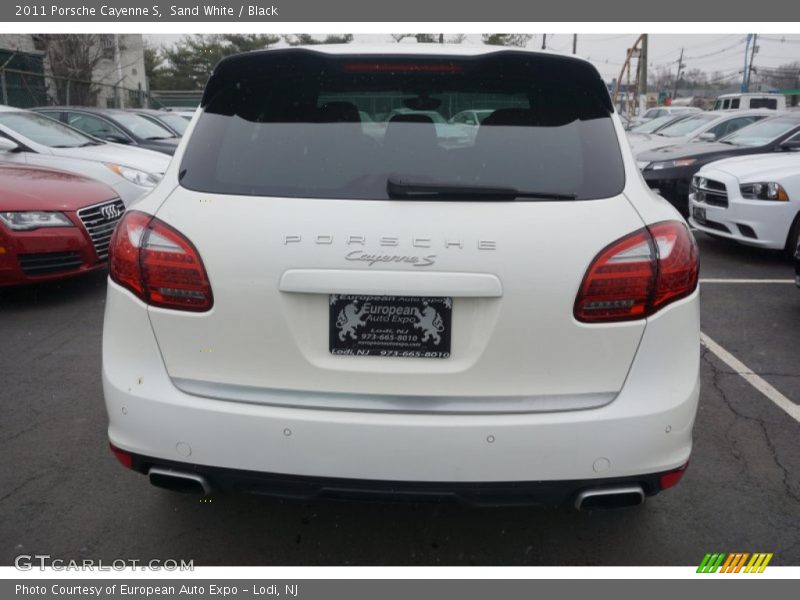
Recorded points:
734,562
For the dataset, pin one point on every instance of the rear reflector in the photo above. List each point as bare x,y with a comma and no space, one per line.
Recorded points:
671,478
158,264
639,274
124,458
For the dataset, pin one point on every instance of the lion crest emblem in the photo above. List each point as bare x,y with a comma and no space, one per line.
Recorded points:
430,322
349,320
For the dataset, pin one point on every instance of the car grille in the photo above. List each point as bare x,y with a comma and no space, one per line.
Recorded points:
49,262
100,221
711,192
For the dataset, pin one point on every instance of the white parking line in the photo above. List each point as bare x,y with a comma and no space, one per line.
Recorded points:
712,280
781,401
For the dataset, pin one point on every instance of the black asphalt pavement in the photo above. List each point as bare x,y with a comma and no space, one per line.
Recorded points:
63,494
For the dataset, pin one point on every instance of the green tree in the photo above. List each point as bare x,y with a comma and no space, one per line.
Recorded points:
507,39
306,39
188,64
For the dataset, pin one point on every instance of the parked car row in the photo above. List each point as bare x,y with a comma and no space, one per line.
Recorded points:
66,177
734,173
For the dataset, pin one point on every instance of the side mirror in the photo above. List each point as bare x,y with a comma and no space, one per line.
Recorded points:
707,137
7,145
789,145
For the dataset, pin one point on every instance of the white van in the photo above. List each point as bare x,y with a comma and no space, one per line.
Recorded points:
748,101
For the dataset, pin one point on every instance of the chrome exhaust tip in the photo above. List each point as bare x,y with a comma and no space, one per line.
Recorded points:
610,498
178,481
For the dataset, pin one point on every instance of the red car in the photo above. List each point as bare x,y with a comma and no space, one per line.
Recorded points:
53,224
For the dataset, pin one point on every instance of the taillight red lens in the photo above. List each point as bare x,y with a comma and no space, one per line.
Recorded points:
678,265
158,264
639,274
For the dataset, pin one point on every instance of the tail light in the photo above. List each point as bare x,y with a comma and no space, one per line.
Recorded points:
158,264
639,274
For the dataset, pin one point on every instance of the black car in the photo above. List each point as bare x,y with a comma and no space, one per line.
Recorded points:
172,121
670,169
114,125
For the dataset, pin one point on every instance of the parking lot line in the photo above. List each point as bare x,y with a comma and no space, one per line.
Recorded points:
789,407
714,280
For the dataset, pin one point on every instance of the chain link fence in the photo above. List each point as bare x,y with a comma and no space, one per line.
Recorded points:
25,89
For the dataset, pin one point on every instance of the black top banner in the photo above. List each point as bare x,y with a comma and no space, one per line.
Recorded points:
407,10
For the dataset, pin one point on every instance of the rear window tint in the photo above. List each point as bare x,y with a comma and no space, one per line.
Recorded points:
301,124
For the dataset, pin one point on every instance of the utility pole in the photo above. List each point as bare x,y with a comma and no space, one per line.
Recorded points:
753,51
642,78
746,69
678,74
574,43
544,41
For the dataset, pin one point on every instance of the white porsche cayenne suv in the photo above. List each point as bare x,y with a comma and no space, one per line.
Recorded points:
307,307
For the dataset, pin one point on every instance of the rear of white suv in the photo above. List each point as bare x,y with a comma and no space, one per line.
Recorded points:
309,307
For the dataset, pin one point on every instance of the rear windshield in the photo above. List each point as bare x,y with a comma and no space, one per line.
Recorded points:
653,124
687,126
300,124
762,133
142,127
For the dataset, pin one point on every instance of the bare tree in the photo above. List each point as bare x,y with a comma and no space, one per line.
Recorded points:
430,38
73,59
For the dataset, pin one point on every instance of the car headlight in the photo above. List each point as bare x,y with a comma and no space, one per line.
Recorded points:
672,164
764,191
34,219
140,178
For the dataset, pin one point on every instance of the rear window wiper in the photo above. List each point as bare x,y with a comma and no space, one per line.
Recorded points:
410,190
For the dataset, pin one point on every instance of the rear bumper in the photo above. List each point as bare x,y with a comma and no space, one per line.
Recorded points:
507,493
647,428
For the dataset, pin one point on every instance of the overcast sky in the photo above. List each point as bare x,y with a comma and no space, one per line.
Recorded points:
710,53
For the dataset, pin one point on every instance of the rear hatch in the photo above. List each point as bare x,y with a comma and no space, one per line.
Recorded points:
385,261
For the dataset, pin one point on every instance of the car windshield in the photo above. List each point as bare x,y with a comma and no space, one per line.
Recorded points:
687,126
287,123
44,130
761,133
653,124
177,122
142,127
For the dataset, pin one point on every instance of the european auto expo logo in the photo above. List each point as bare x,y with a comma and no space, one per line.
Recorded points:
734,562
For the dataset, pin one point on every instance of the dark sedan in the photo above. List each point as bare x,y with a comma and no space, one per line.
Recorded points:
114,125
172,121
670,169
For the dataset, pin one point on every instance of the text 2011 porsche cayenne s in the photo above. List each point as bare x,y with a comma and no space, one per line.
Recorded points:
322,297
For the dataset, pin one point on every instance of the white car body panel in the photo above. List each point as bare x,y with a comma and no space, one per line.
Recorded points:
644,142
529,393
91,161
771,221
647,428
